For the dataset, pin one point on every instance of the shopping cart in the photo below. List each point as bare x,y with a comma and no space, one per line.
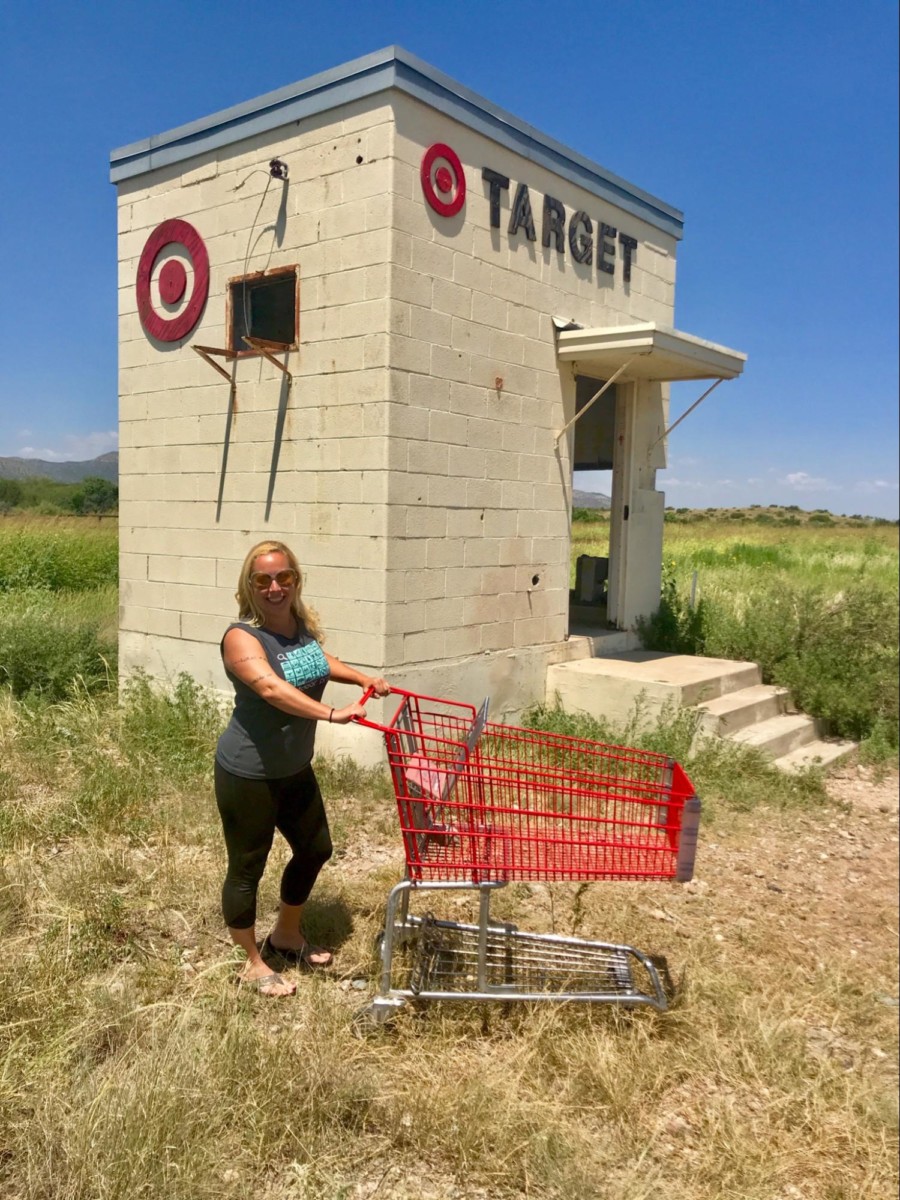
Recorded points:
482,805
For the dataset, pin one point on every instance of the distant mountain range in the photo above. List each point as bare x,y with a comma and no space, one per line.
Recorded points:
588,499
106,466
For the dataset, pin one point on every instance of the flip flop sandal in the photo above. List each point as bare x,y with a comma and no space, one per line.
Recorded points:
298,958
268,981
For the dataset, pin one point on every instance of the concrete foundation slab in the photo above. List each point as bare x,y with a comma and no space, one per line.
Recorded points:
609,688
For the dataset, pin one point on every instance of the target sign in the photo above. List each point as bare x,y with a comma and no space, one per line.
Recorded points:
443,180
172,280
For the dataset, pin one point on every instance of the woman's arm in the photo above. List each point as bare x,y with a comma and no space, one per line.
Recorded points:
246,660
341,673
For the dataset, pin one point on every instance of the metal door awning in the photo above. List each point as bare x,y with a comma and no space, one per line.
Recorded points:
647,352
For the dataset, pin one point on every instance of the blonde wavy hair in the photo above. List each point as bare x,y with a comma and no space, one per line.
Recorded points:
246,596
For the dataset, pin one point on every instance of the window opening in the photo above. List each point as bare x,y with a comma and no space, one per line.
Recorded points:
264,308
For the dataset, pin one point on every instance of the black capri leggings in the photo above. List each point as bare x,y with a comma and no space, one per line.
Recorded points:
251,811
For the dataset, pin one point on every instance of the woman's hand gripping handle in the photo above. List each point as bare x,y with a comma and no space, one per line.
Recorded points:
377,687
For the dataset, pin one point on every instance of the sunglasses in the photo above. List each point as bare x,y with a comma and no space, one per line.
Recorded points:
262,581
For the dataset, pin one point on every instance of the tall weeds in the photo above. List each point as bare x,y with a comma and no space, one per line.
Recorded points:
49,639
59,559
816,607
57,608
838,653
726,775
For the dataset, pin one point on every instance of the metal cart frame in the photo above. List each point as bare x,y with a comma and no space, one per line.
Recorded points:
481,805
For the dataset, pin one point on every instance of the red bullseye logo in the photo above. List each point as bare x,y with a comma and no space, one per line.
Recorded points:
443,180
172,280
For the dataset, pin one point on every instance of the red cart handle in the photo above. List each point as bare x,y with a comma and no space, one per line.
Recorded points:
367,695
398,691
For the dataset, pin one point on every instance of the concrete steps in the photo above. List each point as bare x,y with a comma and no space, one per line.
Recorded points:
817,753
731,699
779,735
735,711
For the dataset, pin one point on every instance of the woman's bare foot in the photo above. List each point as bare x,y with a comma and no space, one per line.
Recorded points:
296,949
266,981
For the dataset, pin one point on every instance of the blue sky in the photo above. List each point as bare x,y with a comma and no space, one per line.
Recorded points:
773,125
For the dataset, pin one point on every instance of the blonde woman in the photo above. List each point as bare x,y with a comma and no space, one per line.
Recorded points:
263,774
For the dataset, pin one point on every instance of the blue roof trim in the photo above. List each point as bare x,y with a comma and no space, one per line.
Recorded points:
392,67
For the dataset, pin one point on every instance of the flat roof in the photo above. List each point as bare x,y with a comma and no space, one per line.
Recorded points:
392,67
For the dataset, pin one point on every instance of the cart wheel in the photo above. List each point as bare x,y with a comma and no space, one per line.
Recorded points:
379,1014
670,990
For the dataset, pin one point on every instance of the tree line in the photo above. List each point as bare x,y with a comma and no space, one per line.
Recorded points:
91,495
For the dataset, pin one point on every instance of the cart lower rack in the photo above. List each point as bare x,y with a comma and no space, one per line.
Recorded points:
483,804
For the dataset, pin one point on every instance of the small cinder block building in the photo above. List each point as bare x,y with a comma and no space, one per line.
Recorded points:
364,314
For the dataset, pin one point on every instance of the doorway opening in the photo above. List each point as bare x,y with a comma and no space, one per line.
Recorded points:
593,489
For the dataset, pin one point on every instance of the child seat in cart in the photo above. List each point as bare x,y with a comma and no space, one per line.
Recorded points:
481,805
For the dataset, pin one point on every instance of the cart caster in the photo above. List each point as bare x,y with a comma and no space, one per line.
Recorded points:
671,990
376,1015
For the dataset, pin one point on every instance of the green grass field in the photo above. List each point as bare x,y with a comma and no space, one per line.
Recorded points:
58,605
816,606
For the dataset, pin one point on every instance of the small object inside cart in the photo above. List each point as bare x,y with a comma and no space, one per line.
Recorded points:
431,780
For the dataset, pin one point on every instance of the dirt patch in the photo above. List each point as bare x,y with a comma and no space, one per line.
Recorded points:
829,875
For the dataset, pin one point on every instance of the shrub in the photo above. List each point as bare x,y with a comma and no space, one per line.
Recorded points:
10,492
43,557
844,665
675,626
174,727
40,494
47,642
96,495
837,654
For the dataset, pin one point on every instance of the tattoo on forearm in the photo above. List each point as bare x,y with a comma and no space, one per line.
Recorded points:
264,675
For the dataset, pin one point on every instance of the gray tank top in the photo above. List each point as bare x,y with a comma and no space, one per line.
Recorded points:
261,741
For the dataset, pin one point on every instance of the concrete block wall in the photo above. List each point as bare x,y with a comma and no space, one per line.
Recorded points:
188,512
418,475
479,487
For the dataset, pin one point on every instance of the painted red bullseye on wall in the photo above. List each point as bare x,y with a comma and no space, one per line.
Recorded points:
173,280
443,180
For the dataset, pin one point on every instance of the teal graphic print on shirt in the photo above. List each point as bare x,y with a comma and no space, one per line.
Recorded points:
305,665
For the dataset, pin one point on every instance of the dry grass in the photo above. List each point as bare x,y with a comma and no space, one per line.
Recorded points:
132,1066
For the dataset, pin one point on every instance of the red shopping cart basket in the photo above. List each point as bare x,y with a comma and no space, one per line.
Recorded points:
489,802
